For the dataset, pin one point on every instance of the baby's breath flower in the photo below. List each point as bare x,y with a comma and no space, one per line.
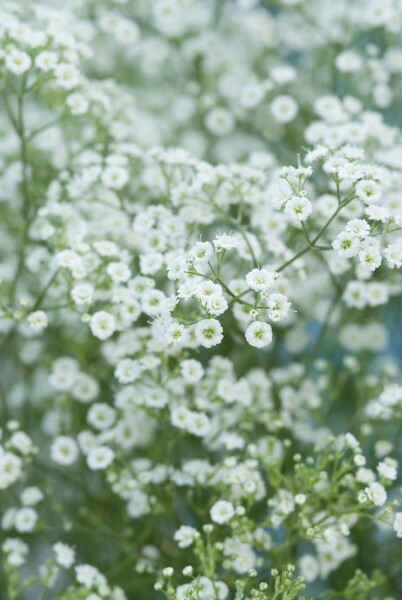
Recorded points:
259,334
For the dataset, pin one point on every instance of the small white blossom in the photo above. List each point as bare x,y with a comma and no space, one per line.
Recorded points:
222,511
259,334
102,324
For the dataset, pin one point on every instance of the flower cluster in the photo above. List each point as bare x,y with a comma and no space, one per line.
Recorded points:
200,296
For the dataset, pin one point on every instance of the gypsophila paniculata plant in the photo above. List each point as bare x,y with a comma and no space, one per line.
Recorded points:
200,299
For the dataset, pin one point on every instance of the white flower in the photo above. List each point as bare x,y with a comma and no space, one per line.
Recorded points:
377,213
225,241
219,121
38,321
46,60
278,307
21,442
284,109
115,177
393,256
101,416
309,567
208,332
206,290
176,333
370,258
67,76
368,191
106,248
298,208
355,294
377,293
201,253
17,61
82,293
185,536
77,103
119,272
87,575
65,556
359,227
346,244
102,324
198,424
31,495
16,551
151,263
10,469
191,370
222,511
138,504
376,493
388,469
128,370
252,95
261,280
152,302
259,334
397,525
64,450
85,388
99,458
25,520
348,62
180,417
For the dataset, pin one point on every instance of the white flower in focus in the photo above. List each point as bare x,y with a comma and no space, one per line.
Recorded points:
260,280
176,333
208,332
346,244
368,191
298,208
225,241
259,334
370,258
278,307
